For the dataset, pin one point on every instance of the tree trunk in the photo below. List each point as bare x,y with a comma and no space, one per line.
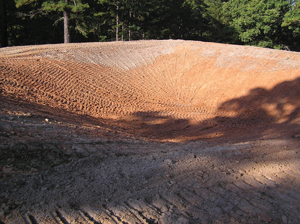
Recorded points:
199,26
66,26
3,24
117,22
122,32
129,34
129,31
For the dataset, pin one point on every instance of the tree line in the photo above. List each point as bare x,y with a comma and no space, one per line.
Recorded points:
264,23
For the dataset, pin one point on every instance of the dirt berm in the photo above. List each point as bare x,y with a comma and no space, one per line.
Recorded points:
149,132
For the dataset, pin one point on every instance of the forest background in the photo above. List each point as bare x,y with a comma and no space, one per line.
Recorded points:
263,23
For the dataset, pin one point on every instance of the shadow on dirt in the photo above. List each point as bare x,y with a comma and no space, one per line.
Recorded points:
262,113
45,136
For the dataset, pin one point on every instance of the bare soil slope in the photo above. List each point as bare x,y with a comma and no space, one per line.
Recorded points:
149,132
161,90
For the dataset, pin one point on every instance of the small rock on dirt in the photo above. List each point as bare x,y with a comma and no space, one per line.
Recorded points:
266,218
284,219
182,220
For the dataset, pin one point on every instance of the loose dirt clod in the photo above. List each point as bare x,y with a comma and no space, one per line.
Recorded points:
149,132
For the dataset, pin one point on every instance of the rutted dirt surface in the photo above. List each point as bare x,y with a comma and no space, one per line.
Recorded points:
149,132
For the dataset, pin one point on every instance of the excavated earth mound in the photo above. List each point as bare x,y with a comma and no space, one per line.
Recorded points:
161,90
149,132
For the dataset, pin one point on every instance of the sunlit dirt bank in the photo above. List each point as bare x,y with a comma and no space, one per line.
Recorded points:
160,90
165,131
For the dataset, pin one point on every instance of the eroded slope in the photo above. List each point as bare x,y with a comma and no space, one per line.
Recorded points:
162,90
70,117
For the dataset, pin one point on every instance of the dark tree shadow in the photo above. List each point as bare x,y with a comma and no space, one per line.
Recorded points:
260,114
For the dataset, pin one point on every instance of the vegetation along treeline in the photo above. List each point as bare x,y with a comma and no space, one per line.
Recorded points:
265,23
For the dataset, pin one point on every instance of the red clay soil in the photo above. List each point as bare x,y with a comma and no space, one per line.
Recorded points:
149,132
159,90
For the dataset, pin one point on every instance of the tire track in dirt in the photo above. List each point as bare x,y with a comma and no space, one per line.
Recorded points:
163,91
177,186
153,85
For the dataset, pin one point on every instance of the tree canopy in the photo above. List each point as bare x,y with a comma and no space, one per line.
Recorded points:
264,23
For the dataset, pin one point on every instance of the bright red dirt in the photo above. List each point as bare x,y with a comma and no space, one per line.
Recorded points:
159,90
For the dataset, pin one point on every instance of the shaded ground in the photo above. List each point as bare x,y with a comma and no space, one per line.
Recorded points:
149,132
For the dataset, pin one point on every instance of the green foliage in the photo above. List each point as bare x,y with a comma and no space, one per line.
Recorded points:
256,22
264,23
292,17
73,7
292,23
20,3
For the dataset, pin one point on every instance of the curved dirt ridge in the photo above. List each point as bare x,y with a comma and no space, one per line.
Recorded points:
198,85
149,132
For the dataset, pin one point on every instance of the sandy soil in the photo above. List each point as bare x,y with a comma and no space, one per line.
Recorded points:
149,132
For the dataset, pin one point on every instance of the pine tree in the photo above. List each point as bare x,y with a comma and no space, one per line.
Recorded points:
292,23
256,22
70,10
